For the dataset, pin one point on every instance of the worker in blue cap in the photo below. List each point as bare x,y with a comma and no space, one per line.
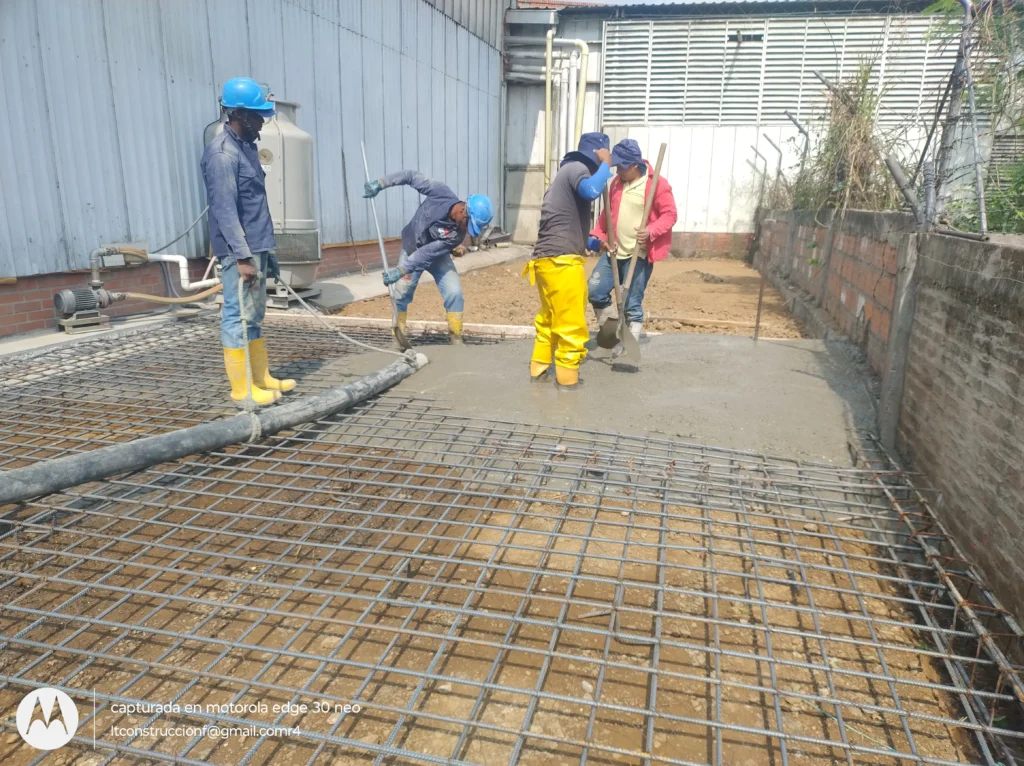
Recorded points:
242,238
557,263
434,233
627,198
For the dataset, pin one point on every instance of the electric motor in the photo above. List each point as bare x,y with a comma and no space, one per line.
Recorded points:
70,302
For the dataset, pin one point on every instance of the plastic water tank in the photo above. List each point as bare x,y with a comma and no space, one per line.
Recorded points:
286,154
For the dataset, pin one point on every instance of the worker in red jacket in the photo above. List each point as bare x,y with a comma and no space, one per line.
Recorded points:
628,194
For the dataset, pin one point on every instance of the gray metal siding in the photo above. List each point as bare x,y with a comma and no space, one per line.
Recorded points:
106,101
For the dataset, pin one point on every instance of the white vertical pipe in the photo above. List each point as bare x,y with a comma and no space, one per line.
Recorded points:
574,64
564,124
547,107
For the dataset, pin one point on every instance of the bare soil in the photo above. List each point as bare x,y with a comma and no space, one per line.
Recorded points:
689,295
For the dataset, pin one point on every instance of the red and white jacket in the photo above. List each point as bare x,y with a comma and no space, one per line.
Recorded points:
660,222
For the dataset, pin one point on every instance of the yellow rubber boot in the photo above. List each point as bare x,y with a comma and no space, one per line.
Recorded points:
455,328
568,377
539,371
261,369
234,364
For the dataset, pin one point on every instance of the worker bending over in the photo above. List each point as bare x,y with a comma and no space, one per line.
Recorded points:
436,229
556,266
242,237
628,195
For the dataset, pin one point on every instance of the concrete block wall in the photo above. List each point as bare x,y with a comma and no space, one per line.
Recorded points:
690,244
960,409
847,265
963,400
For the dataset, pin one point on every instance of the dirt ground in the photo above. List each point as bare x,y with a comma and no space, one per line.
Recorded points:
687,295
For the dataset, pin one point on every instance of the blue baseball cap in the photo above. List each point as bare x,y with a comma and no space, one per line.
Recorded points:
627,152
589,143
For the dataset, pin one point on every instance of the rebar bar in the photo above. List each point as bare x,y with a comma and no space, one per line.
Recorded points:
486,591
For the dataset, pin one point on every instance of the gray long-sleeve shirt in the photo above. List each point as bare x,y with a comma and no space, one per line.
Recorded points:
430,233
240,222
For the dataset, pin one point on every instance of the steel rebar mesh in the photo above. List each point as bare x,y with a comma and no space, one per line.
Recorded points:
486,592
154,380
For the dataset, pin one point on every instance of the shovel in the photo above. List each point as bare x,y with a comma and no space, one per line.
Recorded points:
614,330
403,342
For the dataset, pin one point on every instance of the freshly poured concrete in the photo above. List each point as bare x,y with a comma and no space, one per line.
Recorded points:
793,398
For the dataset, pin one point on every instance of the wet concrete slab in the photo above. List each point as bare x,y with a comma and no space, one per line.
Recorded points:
792,398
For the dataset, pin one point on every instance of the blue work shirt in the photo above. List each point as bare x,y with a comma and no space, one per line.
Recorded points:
430,233
240,222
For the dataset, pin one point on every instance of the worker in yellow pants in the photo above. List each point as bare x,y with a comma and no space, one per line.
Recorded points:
554,266
561,323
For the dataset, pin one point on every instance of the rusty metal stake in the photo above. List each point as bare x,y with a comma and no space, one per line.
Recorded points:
760,300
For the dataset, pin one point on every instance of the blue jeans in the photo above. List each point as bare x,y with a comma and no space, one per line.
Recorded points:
254,304
602,283
444,274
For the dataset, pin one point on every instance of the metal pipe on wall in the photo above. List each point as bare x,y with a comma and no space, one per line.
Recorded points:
526,69
563,111
574,62
534,78
581,96
549,39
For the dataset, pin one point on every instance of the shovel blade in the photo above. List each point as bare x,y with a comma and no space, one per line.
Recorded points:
400,339
607,335
630,356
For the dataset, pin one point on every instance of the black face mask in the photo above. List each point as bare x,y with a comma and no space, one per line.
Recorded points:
249,132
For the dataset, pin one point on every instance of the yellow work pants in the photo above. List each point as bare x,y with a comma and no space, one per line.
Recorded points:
561,322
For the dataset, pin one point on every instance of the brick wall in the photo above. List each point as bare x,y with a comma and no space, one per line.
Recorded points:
688,244
27,305
963,400
962,405
344,259
847,266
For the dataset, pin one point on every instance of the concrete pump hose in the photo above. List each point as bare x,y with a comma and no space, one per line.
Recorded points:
48,476
184,299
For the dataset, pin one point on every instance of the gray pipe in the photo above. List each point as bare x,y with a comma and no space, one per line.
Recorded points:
48,476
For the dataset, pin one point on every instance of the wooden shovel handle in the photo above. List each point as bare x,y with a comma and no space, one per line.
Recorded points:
647,212
611,256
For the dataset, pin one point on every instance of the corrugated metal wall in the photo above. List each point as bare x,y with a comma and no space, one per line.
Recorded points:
106,101
749,70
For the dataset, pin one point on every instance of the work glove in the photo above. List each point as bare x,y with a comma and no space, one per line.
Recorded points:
393,275
594,244
372,188
273,268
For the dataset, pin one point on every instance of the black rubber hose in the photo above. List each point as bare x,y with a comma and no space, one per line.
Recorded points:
48,476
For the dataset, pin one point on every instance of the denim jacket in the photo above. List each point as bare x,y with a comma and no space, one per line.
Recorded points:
431,233
240,222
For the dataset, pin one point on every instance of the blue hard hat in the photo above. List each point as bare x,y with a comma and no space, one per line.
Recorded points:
246,93
480,211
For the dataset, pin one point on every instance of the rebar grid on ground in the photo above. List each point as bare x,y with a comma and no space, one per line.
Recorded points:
487,592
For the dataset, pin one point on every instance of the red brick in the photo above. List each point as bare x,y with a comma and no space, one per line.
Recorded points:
40,314
38,324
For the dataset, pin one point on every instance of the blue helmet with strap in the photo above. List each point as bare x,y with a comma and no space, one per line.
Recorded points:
480,211
246,93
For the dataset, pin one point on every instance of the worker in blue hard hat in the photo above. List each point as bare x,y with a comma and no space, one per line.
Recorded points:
242,238
429,240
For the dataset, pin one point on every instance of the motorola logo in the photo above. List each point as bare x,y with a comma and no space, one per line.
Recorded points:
47,718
